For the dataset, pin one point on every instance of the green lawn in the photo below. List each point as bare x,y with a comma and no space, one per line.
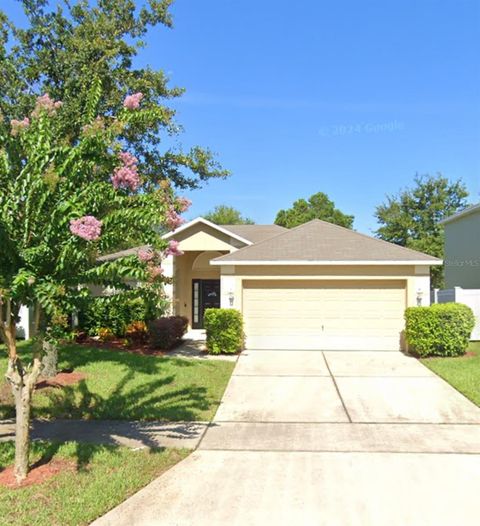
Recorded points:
101,477
127,386
462,372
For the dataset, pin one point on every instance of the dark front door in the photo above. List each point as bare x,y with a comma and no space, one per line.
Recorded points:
205,295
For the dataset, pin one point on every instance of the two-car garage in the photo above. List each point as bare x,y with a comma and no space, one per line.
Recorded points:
321,286
328,315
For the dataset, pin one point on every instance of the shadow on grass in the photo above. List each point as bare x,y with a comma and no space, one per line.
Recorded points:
46,451
151,400
82,453
75,356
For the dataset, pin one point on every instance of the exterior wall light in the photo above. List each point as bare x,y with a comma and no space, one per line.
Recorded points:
231,298
419,297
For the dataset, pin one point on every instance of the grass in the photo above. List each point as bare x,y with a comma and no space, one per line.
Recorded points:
104,476
126,386
462,372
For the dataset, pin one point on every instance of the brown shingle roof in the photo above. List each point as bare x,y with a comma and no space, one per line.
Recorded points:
252,233
255,233
319,241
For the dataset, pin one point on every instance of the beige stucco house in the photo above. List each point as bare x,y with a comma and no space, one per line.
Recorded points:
317,286
462,249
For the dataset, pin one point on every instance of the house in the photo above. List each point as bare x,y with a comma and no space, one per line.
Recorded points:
316,286
462,262
462,249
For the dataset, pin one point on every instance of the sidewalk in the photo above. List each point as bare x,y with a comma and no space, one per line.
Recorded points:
113,432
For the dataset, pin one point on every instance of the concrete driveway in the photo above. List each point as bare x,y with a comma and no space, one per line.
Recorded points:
325,438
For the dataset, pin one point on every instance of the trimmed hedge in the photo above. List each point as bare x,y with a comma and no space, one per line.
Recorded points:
224,329
165,332
443,329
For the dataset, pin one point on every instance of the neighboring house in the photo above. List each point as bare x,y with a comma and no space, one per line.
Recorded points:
462,249
317,286
462,262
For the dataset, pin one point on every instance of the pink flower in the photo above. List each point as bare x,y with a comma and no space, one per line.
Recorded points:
18,126
173,249
128,159
45,103
183,204
132,102
155,271
126,176
145,254
173,219
86,227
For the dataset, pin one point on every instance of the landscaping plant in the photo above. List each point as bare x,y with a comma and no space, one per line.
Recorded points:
224,328
118,311
443,329
64,201
136,332
165,332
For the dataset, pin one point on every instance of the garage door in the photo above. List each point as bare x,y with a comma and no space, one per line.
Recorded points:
330,315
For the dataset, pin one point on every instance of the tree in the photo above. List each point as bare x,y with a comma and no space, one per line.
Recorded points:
227,215
318,206
62,203
411,218
65,46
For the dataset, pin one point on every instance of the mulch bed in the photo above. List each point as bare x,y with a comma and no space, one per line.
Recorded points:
62,379
38,473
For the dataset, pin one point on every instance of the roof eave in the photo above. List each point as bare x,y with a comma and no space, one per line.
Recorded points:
429,262
459,215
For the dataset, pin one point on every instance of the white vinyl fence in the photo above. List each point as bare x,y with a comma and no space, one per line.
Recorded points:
470,297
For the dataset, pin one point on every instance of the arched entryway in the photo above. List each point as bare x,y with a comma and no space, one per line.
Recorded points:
196,285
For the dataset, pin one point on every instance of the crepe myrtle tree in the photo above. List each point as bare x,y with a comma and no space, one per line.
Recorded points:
64,201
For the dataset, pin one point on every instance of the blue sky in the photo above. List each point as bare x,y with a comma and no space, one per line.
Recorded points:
345,97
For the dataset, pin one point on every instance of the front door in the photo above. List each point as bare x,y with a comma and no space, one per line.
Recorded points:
205,295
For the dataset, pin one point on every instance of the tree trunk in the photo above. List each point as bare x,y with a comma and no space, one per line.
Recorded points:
50,359
22,431
22,384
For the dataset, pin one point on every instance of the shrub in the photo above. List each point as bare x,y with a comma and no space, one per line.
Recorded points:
442,329
224,330
115,312
165,332
136,331
105,334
